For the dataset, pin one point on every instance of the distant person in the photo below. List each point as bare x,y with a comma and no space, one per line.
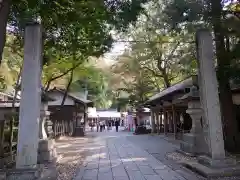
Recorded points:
104,125
98,124
101,126
135,122
109,125
116,125
91,125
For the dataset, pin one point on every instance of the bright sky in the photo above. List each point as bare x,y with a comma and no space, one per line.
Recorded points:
118,49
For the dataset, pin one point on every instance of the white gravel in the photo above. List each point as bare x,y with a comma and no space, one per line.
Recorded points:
179,157
72,154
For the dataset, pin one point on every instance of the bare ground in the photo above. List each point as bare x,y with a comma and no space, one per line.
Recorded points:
71,153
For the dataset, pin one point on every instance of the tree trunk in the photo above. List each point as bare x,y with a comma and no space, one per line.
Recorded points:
61,75
163,71
4,12
227,107
166,80
67,88
48,85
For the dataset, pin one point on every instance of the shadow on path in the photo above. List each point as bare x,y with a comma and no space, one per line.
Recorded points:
164,151
71,152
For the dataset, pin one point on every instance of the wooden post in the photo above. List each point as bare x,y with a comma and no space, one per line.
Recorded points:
161,121
165,120
2,123
168,121
153,121
174,121
171,122
62,128
157,119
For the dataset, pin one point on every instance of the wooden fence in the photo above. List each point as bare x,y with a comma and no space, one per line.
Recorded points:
8,138
62,128
9,132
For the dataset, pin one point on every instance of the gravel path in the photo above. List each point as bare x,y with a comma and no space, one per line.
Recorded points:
71,152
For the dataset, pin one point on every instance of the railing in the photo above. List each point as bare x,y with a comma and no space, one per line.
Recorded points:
179,133
8,135
8,139
62,128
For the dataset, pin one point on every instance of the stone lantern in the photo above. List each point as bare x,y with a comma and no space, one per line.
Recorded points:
46,147
194,142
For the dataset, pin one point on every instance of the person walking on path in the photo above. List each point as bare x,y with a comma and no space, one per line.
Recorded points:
116,125
98,124
91,126
104,125
108,125
101,126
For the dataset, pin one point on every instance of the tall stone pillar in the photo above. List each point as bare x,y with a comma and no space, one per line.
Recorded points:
209,97
153,121
28,132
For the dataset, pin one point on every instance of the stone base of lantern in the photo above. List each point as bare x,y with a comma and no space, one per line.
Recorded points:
209,168
192,144
46,151
220,163
188,146
21,174
39,173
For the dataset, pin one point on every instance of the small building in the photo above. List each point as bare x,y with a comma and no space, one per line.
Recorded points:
171,108
178,110
70,118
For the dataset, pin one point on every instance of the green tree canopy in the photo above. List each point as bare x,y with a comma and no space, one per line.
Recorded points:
82,26
157,56
96,82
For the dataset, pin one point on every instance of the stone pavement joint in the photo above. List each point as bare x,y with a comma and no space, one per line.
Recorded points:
116,158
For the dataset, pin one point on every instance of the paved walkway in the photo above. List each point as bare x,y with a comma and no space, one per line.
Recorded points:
111,156
164,151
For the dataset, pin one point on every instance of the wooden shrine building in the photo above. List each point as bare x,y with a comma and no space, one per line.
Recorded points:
70,118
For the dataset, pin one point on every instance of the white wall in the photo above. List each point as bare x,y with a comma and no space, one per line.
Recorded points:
58,99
